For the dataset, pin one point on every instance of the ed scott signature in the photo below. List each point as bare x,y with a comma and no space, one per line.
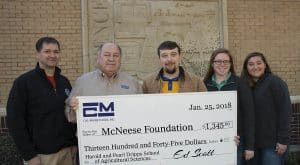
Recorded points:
196,153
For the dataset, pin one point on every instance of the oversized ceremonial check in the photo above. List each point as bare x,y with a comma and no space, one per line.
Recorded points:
158,129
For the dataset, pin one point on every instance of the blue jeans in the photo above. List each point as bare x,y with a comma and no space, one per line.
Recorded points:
268,156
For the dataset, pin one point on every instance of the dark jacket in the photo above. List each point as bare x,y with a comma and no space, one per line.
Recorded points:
35,114
245,109
272,111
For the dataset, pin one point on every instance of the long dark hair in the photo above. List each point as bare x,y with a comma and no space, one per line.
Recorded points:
210,70
245,74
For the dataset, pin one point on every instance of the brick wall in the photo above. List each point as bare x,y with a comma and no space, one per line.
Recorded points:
271,27
22,22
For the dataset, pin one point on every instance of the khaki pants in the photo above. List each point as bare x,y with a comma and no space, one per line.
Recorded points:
65,156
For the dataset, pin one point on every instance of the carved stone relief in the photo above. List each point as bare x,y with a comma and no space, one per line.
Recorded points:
139,26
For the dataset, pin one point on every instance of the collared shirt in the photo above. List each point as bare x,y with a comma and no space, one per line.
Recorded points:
96,83
222,83
170,85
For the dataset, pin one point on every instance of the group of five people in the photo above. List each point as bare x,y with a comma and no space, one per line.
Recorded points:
41,108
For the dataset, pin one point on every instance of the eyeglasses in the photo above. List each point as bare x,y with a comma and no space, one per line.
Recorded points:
219,62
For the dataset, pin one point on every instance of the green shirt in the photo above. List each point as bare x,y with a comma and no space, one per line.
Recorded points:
222,83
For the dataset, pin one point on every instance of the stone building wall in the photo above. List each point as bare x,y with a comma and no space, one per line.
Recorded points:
140,26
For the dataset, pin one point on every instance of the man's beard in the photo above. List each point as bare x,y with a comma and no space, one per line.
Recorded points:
170,71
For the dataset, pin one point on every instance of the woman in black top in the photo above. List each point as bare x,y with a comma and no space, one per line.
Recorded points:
221,77
272,110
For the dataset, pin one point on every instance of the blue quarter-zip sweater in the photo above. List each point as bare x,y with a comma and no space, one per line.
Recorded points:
35,114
